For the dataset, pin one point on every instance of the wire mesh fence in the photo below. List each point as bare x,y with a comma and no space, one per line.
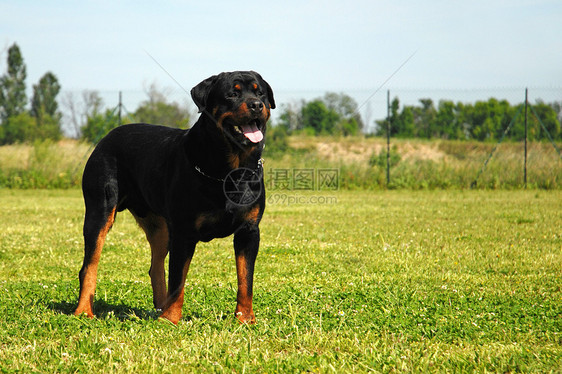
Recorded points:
371,107
509,163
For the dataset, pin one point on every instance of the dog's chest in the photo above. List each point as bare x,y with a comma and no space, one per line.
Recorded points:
220,223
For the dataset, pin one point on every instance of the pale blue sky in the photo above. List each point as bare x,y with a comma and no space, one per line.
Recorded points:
300,47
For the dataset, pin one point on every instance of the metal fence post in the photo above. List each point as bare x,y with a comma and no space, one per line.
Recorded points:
387,138
525,163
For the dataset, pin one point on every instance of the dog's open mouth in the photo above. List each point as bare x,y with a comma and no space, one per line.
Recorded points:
250,130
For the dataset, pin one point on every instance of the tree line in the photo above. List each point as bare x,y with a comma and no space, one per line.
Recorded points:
17,122
483,120
332,114
91,121
23,120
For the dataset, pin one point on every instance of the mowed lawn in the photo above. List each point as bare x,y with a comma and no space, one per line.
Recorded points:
346,281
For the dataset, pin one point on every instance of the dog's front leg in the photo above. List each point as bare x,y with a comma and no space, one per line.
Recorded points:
246,245
181,253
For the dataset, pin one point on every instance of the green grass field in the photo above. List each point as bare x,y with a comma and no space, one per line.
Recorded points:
357,281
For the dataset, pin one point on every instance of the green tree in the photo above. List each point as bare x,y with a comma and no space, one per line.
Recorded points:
18,129
291,116
481,126
44,107
99,124
447,121
549,119
348,126
483,120
157,110
346,107
424,119
318,119
489,119
406,123
13,98
332,114
463,124
401,123
98,121
382,126
276,142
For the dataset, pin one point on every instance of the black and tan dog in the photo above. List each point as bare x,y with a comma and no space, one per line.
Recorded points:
172,181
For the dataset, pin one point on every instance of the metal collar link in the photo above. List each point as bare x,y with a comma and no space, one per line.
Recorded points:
257,169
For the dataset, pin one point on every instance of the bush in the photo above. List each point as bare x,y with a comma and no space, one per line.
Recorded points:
19,129
276,141
380,158
98,125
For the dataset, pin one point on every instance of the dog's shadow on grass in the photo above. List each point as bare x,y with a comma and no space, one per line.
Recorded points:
104,310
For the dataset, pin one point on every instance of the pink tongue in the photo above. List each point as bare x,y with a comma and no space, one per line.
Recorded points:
252,132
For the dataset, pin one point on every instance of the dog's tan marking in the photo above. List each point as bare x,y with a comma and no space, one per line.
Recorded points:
88,284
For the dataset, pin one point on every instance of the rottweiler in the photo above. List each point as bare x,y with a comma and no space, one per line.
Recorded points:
173,182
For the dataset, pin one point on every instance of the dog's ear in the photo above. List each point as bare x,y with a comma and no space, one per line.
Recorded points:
268,88
200,93
270,95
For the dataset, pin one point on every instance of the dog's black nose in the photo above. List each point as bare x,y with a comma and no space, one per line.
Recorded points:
255,106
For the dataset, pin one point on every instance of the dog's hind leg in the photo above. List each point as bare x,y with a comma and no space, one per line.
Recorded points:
156,230
181,253
100,215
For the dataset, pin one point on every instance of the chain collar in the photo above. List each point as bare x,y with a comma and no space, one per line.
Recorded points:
196,167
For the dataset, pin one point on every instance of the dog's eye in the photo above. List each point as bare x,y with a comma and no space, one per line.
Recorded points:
234,94
257,89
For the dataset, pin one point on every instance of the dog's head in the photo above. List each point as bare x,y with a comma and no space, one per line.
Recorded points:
238,102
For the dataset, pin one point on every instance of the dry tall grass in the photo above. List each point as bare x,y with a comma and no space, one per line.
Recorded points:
43,164
361,162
